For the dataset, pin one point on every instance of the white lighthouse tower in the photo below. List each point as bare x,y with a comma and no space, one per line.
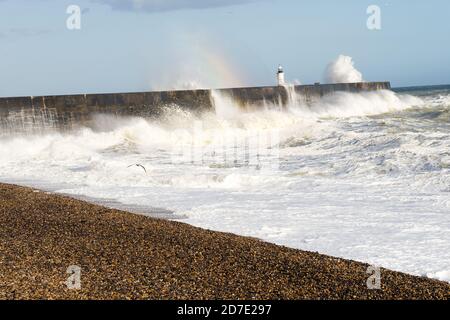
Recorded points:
280,76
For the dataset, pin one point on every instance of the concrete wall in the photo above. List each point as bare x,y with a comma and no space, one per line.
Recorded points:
31,114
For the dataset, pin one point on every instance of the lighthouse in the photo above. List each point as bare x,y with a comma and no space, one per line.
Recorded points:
280,76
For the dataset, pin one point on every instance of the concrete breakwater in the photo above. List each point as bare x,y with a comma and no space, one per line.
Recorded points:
65,112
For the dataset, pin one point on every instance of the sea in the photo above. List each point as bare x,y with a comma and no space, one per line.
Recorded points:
362,176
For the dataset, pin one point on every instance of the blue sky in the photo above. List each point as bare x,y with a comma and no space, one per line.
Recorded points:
135,45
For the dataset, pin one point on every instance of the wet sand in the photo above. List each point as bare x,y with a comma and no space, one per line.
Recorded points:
128,256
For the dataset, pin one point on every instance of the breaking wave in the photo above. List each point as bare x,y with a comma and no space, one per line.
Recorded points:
342,70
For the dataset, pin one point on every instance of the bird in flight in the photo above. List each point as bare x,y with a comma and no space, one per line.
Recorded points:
138,165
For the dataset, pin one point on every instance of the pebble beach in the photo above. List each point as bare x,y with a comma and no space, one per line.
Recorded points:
129,256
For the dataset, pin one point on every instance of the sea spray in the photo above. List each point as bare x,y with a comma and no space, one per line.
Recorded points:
342,70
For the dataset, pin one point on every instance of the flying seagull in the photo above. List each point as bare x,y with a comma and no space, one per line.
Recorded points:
138,165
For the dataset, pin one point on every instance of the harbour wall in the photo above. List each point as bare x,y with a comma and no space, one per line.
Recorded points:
65,112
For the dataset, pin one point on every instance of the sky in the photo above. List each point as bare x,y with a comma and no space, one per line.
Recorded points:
141,45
